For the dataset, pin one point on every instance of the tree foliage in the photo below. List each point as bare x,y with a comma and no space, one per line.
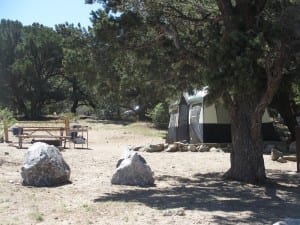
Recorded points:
240,49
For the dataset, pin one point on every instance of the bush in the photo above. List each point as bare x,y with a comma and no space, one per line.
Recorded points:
7,117
160,115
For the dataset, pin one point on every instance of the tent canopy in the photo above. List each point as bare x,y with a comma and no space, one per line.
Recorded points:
206,122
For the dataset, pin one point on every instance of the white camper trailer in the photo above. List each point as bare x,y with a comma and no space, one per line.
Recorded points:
206,123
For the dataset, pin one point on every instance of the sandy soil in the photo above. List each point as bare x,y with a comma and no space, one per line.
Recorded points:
189,187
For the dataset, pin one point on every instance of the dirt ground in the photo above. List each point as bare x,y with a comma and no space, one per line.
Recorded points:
189,188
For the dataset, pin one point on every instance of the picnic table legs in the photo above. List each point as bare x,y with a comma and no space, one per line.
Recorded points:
20,142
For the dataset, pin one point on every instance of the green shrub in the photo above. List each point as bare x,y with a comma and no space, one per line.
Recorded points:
160,115
7,117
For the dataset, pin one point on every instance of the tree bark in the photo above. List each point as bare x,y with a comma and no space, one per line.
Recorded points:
74,106
247,163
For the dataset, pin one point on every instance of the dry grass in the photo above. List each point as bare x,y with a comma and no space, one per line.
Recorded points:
189,187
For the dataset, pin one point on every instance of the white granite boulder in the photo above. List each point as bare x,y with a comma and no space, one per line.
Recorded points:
132,169
44,166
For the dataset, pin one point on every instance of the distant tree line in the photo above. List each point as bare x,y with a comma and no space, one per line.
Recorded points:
45,70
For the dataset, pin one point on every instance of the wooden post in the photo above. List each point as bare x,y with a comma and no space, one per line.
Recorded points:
298,148
5,133
67,126
61,131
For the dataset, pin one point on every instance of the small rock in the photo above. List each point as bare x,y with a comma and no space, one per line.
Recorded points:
192,148
155,148
6,153
180,212
168,213
275,154
172,148
137,148
184,148
214,149
281,160
203,148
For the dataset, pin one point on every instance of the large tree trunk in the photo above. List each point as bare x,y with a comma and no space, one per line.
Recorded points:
247,163
35,111
74,106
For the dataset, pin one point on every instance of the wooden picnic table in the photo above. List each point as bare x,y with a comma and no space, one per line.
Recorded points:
50,133
33,132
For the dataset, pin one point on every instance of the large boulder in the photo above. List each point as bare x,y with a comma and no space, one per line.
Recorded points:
44,166
132,169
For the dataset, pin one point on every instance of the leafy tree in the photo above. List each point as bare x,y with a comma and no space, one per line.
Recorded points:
30,63
132,68
160,115
286,99
77,65
240,49
37,67
10,37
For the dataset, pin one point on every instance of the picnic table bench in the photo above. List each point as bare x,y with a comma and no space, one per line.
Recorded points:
59,134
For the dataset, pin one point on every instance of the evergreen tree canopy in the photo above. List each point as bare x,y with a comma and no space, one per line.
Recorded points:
240,49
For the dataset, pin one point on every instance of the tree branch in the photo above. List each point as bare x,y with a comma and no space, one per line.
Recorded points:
226,9
274,76
260,5
188,18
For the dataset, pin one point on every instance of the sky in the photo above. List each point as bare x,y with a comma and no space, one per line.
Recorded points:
47,12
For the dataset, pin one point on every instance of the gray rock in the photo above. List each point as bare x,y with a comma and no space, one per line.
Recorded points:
203,148
172,148
44,166
275,154
192,148
180,212
132,169
214,149
281,160
288,221
155,148
137,148
183,147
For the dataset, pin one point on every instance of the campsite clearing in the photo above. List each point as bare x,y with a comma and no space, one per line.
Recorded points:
189,187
